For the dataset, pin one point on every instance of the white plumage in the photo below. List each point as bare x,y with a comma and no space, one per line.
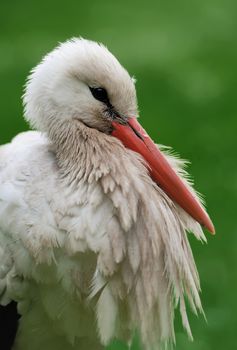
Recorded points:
91,248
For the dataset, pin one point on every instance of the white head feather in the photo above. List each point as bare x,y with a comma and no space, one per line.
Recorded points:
58,88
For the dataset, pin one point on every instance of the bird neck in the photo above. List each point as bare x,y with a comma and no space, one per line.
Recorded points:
83,153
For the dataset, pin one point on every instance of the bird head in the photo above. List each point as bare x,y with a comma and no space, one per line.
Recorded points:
81,80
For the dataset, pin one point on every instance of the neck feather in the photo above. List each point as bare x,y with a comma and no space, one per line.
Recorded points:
83,152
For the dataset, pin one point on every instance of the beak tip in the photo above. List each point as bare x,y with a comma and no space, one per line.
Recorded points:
213,231
210,227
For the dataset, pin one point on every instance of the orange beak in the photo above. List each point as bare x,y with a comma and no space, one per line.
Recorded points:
133,136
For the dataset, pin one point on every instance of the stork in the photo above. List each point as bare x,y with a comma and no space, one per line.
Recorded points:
93,215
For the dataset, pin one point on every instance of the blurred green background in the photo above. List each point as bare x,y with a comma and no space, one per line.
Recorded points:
184,56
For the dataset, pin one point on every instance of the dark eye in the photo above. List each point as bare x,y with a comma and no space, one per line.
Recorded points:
100,94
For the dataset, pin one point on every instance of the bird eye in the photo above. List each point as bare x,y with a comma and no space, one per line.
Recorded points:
100,94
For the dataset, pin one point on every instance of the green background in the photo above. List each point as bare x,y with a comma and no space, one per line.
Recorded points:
184,56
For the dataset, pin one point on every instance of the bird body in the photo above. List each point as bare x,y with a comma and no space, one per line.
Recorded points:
91,248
